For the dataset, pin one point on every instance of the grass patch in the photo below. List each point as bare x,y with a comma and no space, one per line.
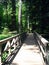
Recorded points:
7,33
3,36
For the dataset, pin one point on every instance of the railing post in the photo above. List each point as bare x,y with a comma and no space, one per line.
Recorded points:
0,54
14,40
14,46
19,40
9,49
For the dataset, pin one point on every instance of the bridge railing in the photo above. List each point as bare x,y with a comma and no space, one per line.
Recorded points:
42,42
9,43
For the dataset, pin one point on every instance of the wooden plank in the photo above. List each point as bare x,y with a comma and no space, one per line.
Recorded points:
29,53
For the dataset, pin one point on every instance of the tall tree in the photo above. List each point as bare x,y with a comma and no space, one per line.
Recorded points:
20,15
13,16
1,16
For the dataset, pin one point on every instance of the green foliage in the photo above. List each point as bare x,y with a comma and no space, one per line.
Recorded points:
5,31
4,56
37,10
23,8
24,20
38,15
1,10
6,19
1,16
3,36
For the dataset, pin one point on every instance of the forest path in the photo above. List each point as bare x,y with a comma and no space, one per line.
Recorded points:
29,54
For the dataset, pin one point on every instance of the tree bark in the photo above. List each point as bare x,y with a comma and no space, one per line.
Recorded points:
20,16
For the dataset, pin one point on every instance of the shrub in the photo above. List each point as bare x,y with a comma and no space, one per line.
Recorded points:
5,31
4,56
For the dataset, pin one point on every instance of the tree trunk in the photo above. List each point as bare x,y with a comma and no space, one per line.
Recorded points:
20,16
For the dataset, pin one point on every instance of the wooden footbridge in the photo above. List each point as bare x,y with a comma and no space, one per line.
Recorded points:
24,49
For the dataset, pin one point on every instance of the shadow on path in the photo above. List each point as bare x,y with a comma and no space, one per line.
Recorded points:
29,53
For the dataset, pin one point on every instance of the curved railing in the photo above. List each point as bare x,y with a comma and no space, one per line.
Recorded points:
11,44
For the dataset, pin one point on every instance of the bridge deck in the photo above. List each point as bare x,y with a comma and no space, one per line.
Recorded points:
29,54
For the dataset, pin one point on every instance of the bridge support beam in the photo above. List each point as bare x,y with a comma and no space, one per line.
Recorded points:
0,54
